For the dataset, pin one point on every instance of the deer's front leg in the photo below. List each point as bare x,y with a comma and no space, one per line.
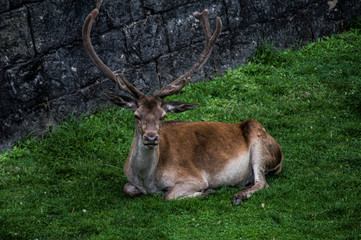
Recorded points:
186,189
131,190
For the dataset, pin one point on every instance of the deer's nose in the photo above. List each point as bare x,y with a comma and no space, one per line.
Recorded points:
151,138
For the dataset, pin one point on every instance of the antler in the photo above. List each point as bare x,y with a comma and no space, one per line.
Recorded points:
175,86
124,85
172,88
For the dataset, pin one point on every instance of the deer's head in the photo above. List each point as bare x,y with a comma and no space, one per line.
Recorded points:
149,111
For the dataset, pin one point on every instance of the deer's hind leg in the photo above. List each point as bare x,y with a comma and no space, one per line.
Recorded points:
258,168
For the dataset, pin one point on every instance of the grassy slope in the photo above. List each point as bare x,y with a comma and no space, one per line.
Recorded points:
69,185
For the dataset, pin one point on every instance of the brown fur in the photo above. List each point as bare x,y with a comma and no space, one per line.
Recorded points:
193,157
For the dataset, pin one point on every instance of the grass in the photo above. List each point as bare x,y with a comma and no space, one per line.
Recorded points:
69,184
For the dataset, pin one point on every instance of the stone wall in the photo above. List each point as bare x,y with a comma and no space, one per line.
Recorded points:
46,75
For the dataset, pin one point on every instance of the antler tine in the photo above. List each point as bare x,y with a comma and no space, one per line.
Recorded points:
124,85
177,85
135,91
203,18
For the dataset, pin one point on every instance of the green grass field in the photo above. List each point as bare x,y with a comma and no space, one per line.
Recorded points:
69,184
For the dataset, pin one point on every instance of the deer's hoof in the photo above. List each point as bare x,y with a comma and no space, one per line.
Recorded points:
131,190
238,199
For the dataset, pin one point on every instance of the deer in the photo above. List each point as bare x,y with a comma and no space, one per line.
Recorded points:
188,159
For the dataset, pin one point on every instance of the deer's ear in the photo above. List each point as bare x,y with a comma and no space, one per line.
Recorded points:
122,101
178,107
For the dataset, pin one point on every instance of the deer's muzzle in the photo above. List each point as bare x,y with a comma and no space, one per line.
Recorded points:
150,140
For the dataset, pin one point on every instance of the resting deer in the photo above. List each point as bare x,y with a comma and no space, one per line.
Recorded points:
188,159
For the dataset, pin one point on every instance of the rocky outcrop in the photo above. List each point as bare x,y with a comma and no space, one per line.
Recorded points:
46,75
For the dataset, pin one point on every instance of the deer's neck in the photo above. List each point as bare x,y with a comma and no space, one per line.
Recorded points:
143,163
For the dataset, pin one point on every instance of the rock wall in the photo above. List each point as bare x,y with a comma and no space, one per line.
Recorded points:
46,75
